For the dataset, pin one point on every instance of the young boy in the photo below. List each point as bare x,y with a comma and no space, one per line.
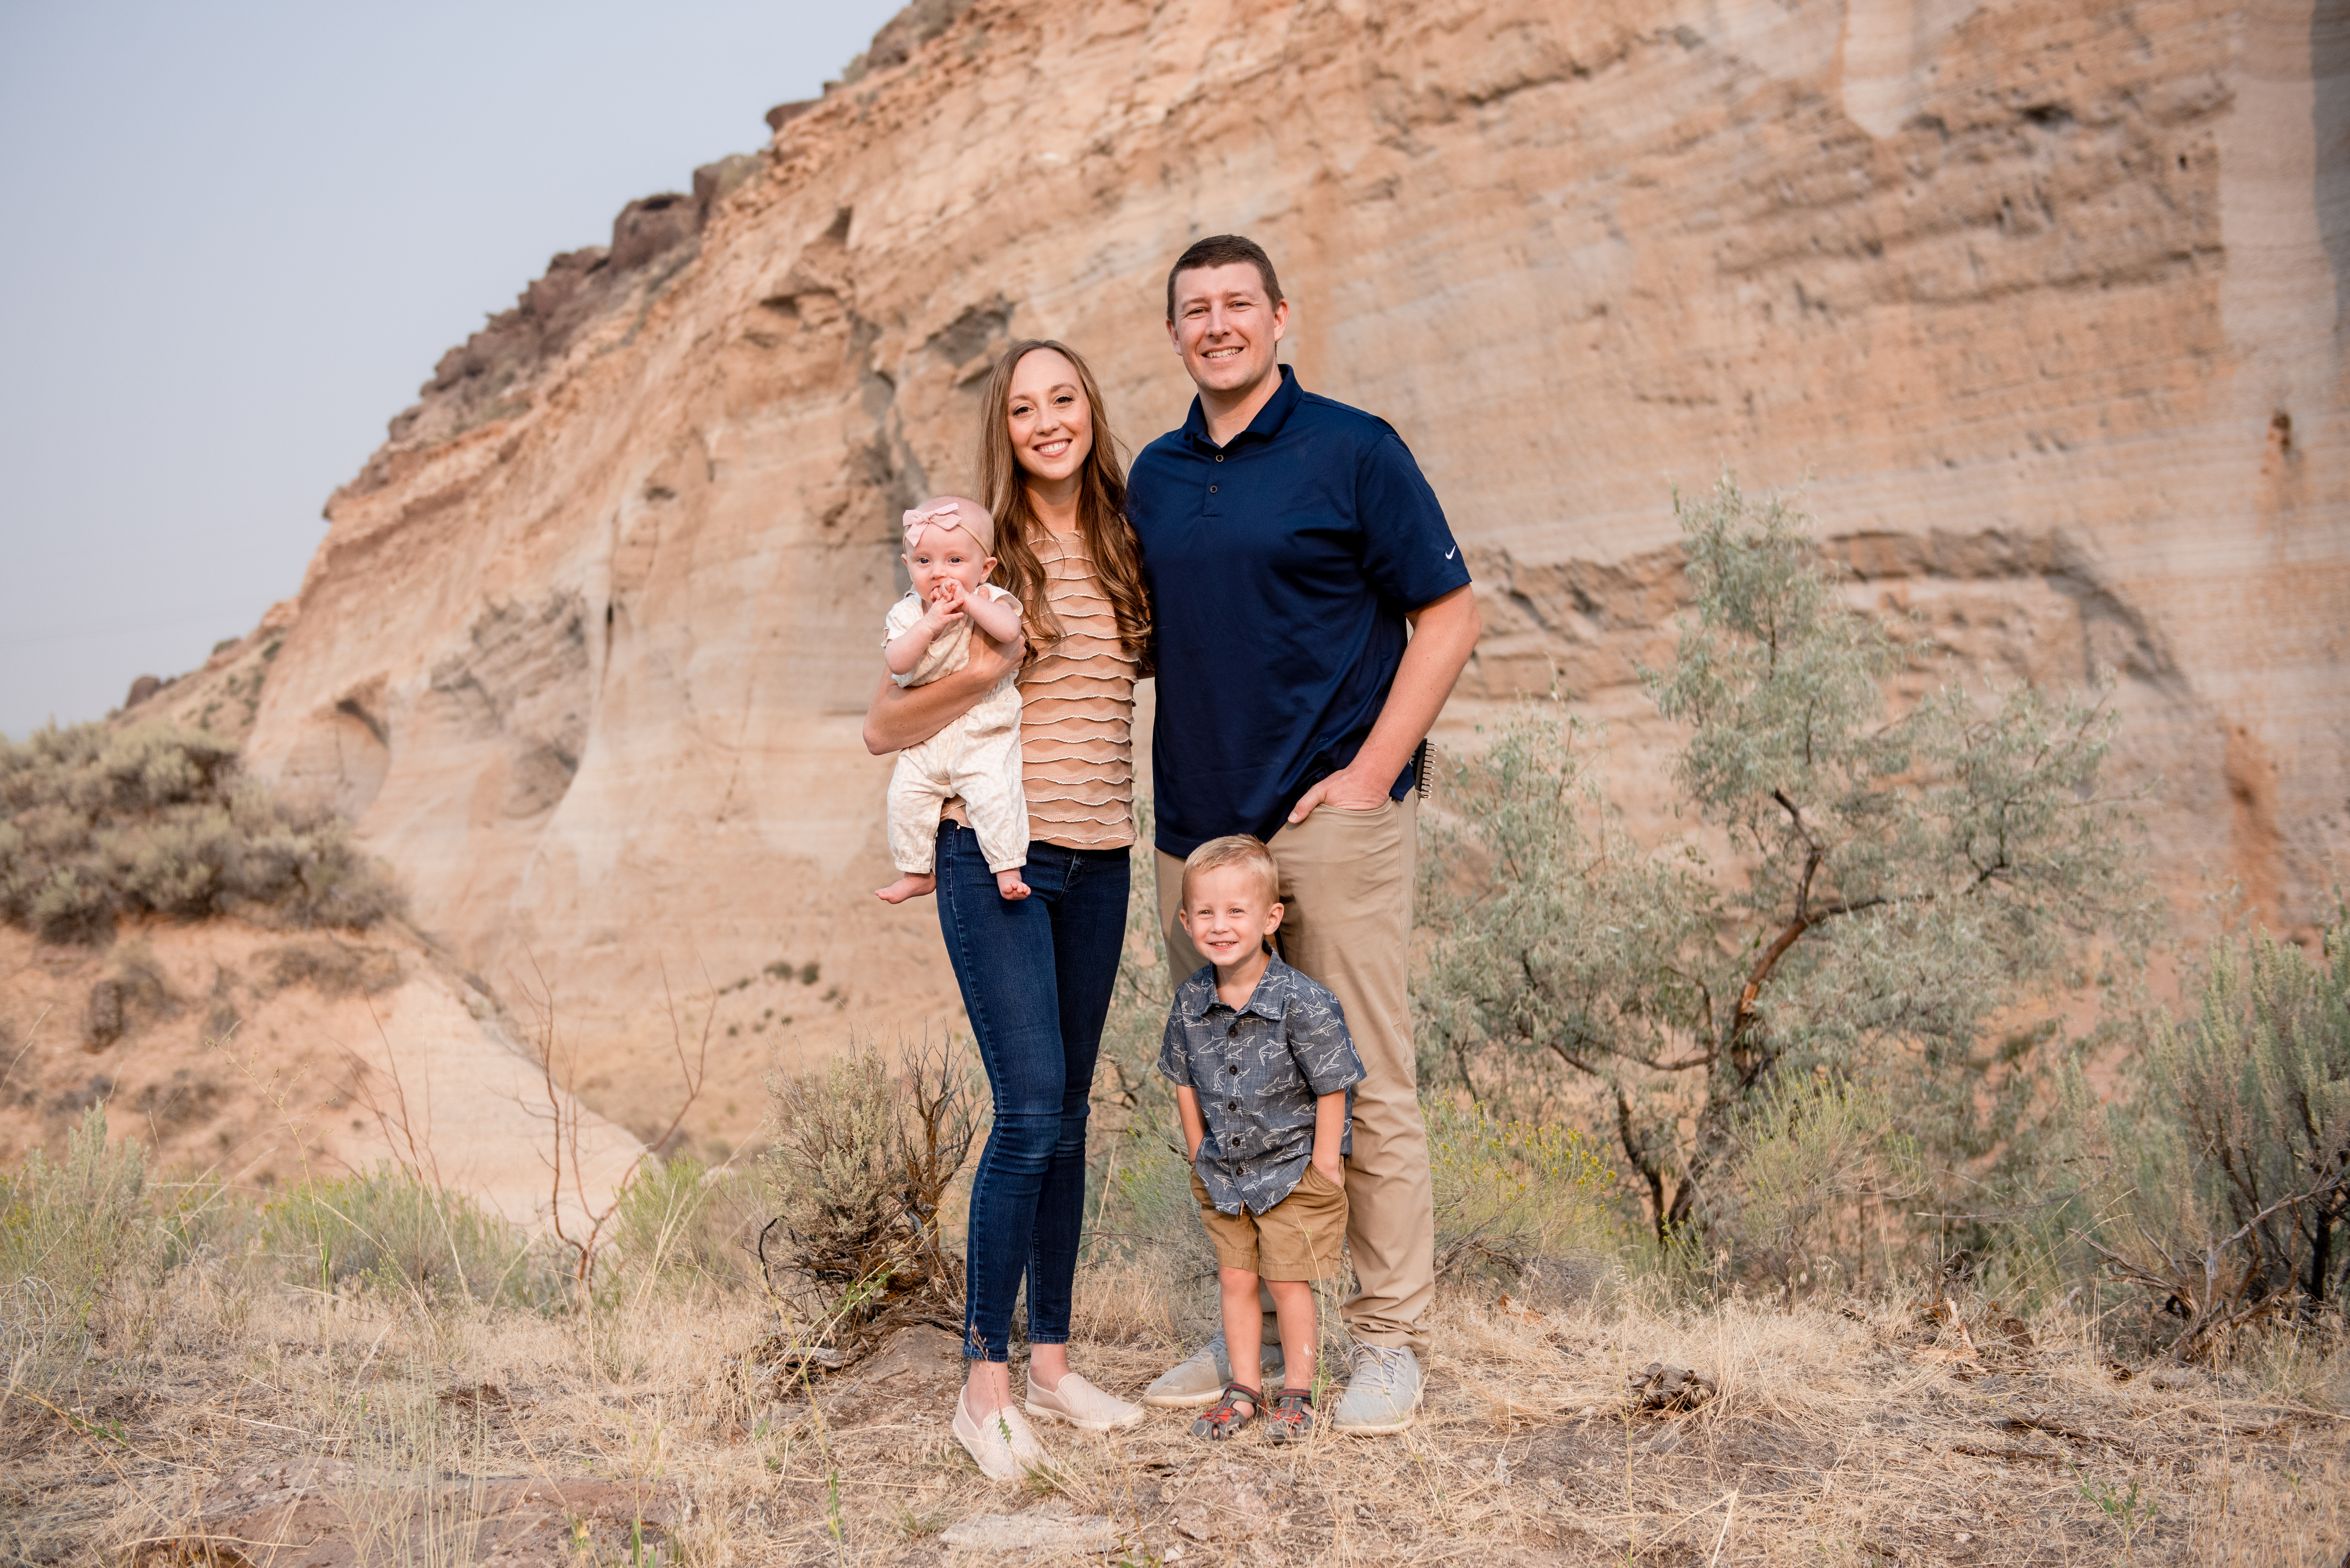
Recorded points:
976,758
1262,1067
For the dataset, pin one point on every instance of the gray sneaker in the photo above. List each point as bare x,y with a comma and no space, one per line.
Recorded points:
1200,1378
1383,1391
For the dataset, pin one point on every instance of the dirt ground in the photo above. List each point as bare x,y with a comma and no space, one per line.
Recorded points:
290,1429
264,1057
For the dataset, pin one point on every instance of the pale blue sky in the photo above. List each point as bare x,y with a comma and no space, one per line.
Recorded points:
240,234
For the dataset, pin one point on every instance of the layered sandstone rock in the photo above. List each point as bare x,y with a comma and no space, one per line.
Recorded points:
262,1057
2043,299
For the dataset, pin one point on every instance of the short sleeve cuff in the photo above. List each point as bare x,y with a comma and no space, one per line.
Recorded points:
1346,1077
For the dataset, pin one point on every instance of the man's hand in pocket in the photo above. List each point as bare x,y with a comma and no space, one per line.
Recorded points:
1342,791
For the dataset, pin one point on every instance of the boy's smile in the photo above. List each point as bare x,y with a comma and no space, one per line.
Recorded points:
1228,911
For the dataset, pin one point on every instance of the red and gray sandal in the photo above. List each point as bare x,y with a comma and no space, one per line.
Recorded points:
1291,1419
1224,1418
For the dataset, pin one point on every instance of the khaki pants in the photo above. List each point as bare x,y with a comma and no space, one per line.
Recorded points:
1346,884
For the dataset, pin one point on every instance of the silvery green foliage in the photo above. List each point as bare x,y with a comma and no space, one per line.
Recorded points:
2235,1153
1899,876
97,823
1547,931
1811,1150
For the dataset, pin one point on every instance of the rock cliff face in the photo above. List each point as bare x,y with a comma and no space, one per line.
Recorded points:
265,1057
2046,299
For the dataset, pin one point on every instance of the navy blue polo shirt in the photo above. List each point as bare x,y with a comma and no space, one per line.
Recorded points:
1279,568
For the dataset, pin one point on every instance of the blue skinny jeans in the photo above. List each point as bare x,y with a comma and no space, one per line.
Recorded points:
1036,975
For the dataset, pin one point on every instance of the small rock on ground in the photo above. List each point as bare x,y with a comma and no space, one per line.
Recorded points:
1030,1532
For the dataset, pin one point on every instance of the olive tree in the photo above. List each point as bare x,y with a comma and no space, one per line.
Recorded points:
1899,876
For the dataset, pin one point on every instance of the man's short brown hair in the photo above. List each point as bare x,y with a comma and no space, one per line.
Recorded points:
1234,850
1223,250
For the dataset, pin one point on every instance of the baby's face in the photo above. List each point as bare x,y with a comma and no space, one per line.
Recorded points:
946,553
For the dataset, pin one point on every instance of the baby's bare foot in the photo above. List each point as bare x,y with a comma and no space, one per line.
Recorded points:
1009,884
912,884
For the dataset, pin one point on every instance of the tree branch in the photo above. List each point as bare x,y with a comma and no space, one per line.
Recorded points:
1638,1152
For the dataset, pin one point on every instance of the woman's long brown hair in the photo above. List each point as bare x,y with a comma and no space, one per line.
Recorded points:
1101,511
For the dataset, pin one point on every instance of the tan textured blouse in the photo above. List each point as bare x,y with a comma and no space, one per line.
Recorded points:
1077,713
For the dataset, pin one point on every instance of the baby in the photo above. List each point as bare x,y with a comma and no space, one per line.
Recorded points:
976,756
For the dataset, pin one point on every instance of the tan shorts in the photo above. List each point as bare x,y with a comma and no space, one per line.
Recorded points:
1297,1239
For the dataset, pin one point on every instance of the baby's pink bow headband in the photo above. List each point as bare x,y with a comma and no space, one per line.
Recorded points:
949,514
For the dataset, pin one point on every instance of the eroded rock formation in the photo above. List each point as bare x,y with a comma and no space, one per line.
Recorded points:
265,1057
2043,298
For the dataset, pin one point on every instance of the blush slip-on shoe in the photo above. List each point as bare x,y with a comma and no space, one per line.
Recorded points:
1081,1405
1002,1444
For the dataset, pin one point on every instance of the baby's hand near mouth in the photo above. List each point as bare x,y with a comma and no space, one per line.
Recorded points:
948,599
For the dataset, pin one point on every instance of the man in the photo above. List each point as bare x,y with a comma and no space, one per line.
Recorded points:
1292,539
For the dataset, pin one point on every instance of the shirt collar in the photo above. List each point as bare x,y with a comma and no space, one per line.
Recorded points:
1264,427
1269,1000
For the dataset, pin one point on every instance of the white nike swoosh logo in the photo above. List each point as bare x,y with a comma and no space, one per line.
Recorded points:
1450,554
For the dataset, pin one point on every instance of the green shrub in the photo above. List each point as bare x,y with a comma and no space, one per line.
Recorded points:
680,1223
2233,1180
1125,1079
1511,1193
97,823
72,1234
1817,1164
385,1228
1151,1207
1902,879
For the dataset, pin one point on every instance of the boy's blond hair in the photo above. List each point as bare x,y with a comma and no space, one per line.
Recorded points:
1234,850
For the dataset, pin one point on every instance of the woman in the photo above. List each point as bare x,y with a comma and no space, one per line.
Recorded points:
1036,973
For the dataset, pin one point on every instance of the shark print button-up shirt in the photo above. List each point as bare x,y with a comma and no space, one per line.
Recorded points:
1257,1071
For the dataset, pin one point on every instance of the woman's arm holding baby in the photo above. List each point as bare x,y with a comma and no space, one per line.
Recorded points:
905,716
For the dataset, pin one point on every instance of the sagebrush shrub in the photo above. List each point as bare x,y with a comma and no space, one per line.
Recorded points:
1903,879
1821,1167
858,1175
2232,1160
1509,1192
97,823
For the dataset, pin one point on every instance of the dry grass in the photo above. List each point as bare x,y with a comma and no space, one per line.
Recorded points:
263,1425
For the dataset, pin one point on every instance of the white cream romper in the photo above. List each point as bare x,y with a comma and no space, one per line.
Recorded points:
977,757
